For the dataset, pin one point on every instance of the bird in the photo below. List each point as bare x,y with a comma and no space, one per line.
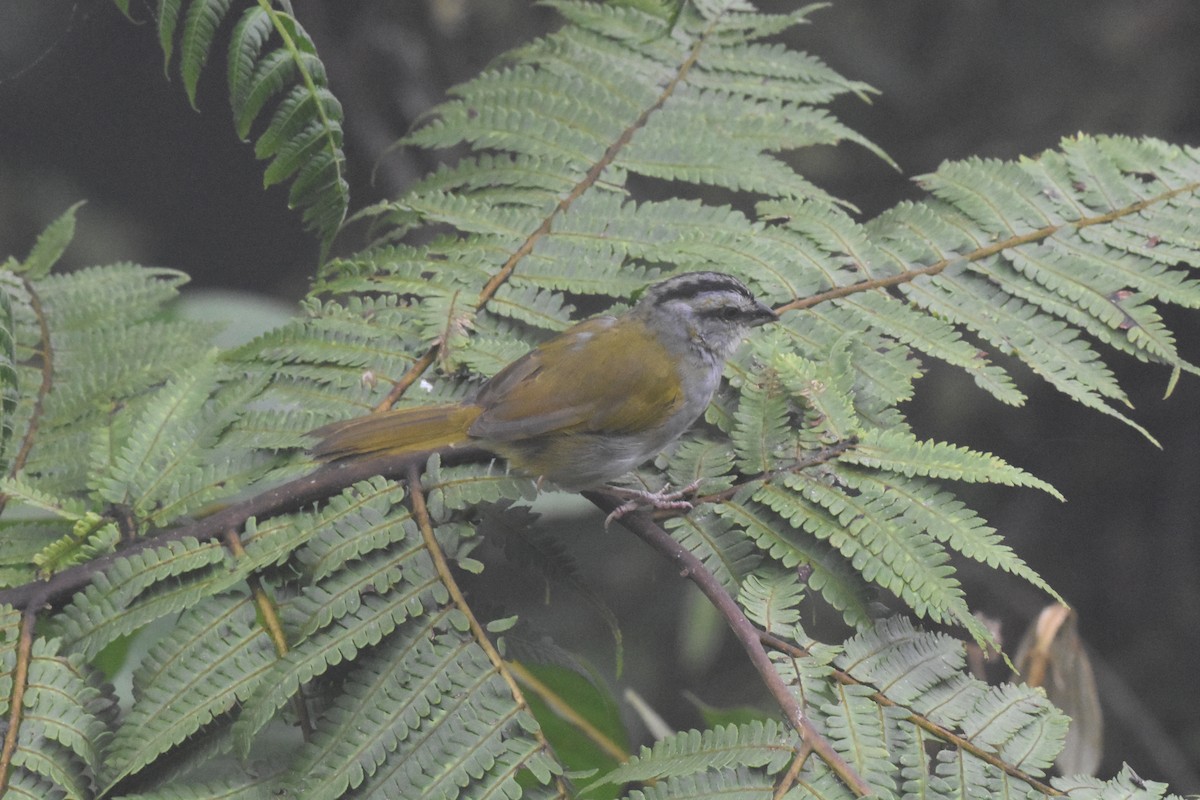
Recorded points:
590,404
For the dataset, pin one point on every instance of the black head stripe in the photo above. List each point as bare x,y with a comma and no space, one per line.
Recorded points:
692,284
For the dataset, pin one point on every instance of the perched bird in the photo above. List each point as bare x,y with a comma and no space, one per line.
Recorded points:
593,402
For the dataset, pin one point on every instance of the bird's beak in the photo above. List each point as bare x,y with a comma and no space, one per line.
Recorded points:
763,314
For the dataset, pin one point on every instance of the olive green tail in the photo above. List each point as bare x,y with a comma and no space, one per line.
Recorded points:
395,432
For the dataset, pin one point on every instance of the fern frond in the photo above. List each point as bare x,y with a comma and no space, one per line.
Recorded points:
908,716
771,599
1050,346
49,247
210,661
111,606
763,745
303,138
367,620
728,784
200,24
902,662
232,783
949,521
403,705
862,731
936,338
919,670
897,450
67,508
723,549
831,575
66,721
760,433
158,440
1126,784
704,460
456,488
26,784
869,529
1074,249
353,524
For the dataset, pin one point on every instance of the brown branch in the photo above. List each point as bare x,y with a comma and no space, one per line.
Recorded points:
425,524
17,699
1041,234
945,734
408,378
323,482
694,570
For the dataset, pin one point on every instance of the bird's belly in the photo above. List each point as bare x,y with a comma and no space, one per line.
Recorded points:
579,461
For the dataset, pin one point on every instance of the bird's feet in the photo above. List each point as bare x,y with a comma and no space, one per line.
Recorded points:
665,498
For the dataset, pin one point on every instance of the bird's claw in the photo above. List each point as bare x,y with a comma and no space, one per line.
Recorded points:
665,498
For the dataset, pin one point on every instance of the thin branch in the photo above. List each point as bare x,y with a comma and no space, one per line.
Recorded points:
694,570
409,378
320,484
789,778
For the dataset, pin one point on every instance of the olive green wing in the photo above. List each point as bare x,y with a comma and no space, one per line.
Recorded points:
602,375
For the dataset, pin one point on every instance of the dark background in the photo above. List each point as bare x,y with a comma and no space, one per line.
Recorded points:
86,113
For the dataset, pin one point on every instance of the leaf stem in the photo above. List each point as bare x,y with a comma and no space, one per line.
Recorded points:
416,494
20,681
978,254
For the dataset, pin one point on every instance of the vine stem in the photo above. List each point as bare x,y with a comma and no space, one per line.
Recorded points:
746,632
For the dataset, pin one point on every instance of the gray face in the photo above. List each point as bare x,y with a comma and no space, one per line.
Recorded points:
709,310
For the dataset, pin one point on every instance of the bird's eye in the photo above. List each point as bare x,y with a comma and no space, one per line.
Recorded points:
729,313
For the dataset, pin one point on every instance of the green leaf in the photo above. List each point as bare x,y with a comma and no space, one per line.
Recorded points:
199,29
270,53
50,245
897,450
580,718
